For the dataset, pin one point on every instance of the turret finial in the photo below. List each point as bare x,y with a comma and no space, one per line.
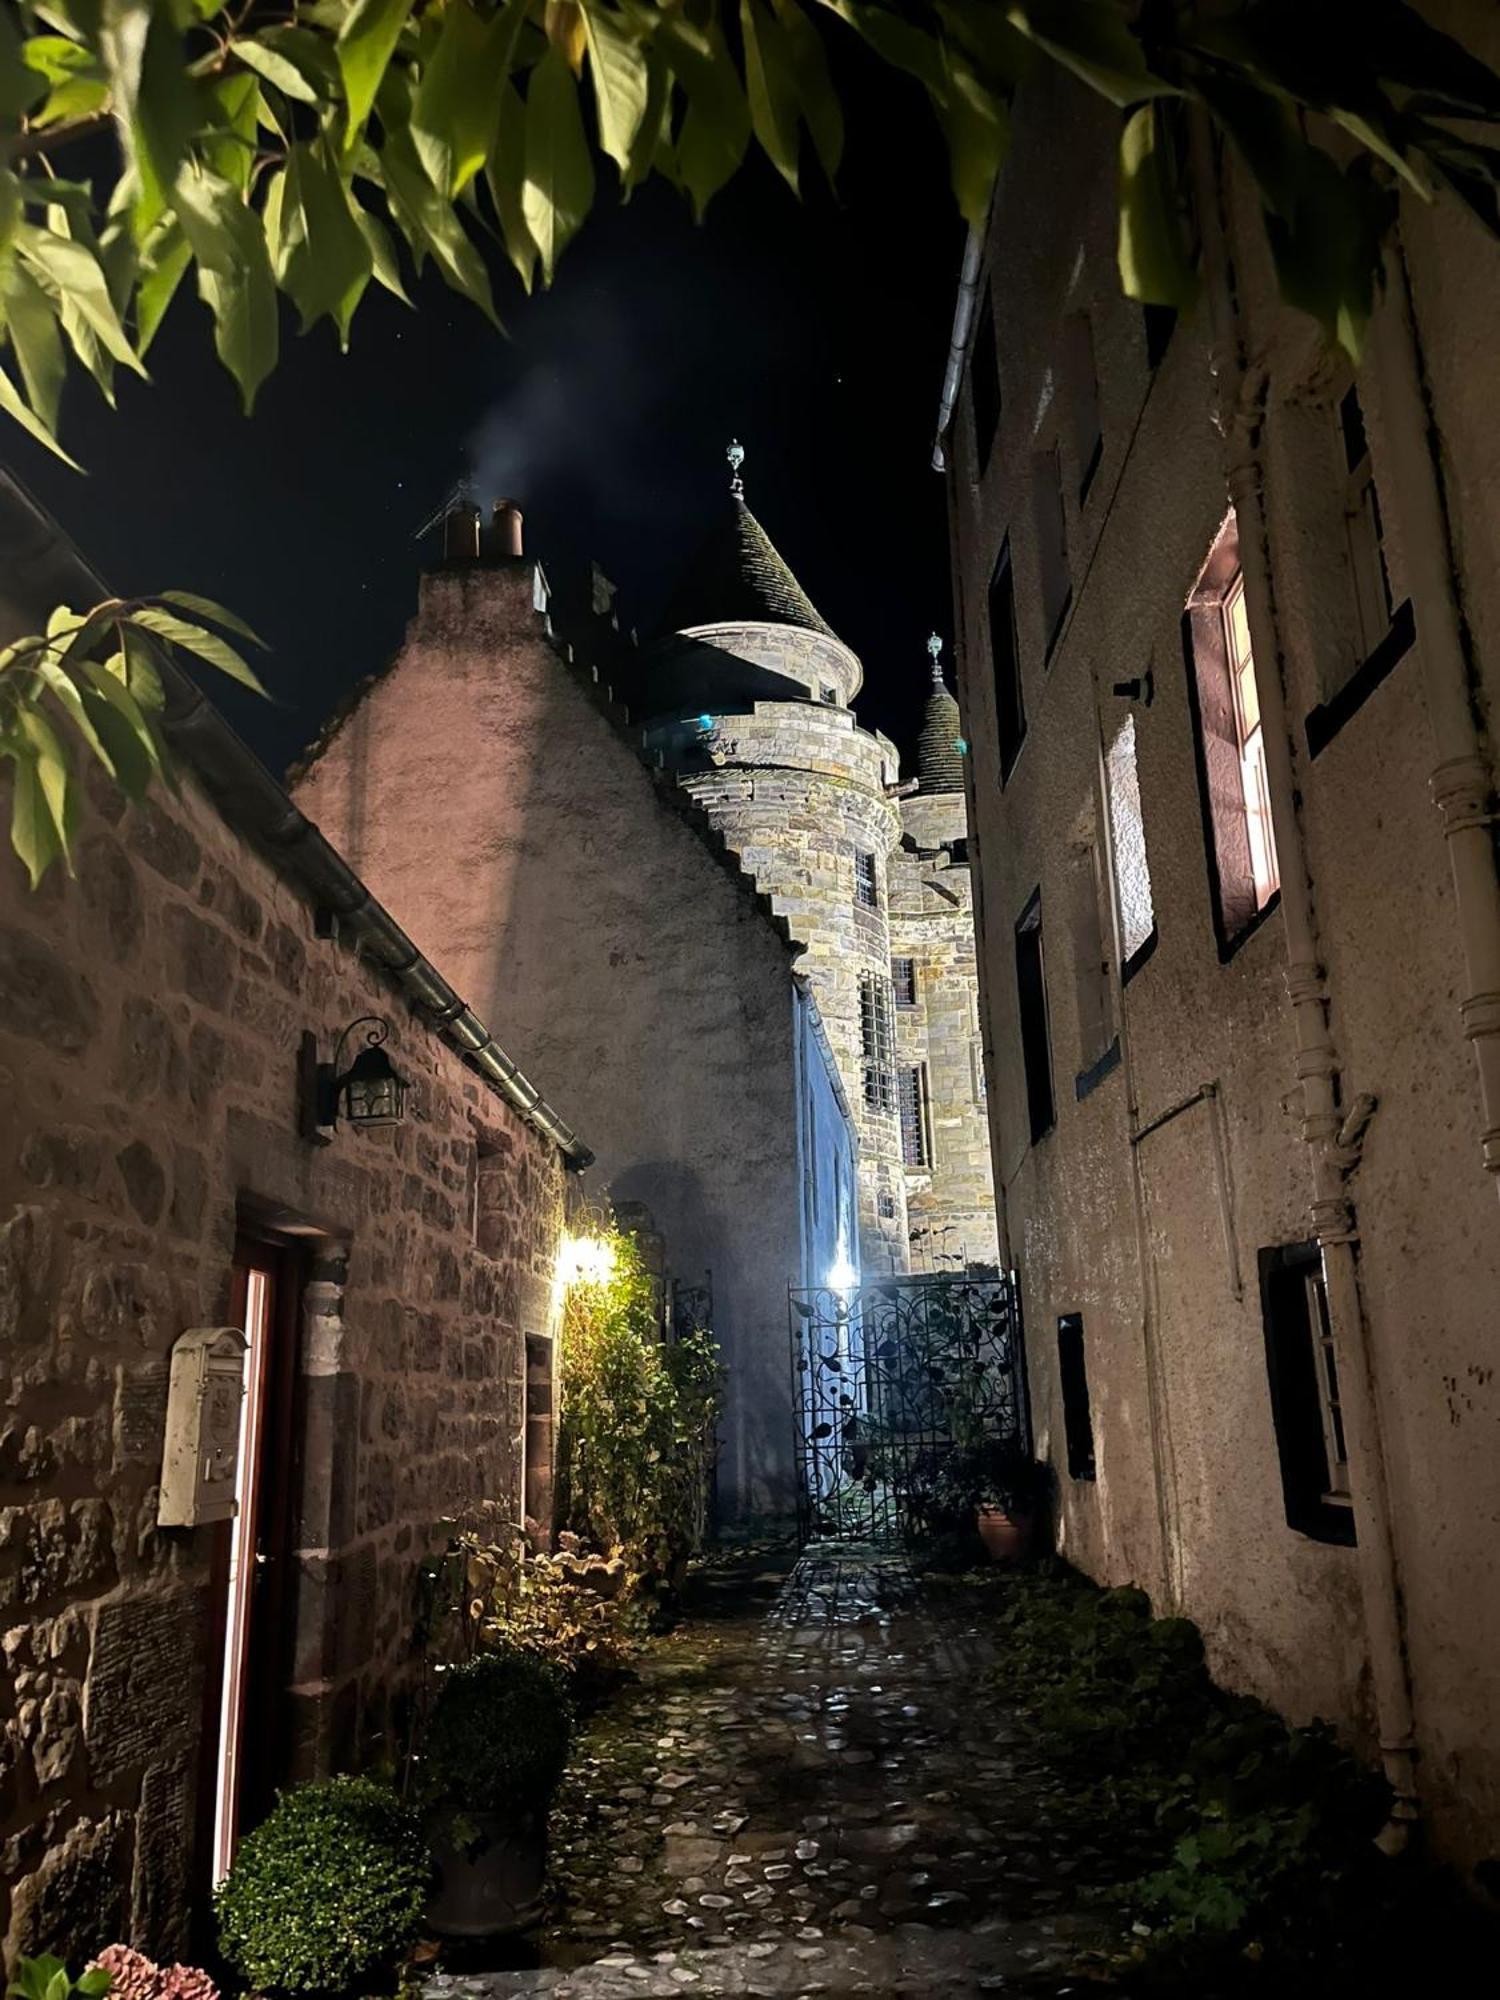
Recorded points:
736,456
935,654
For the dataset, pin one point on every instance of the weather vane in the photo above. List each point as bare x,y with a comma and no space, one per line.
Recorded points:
736,456
935,653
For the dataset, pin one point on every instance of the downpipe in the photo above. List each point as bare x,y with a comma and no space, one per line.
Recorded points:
1462,782
1243,395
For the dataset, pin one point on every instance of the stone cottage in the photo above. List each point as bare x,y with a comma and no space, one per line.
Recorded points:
160,1184
1229,631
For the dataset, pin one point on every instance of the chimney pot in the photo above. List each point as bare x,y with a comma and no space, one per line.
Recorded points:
505,536
461,534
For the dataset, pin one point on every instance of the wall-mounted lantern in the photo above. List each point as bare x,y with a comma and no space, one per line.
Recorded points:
371,1091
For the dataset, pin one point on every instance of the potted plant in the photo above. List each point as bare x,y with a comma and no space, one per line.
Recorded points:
1010,1493
325,1896
493,1752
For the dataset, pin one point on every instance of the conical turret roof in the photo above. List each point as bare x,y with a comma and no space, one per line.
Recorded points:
739,576
940,759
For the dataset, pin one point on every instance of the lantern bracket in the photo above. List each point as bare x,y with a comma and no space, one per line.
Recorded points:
326,1086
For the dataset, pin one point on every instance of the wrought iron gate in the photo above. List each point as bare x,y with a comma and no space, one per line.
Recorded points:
891,1381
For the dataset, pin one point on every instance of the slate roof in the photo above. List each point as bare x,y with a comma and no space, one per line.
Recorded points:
739,575
940,764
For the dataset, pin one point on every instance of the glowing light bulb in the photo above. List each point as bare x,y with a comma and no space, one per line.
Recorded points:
842,1276
585,1260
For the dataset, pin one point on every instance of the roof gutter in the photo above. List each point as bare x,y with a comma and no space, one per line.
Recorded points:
255,805
958,344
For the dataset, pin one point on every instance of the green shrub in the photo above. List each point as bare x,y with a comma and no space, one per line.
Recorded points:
497,1737
328,1892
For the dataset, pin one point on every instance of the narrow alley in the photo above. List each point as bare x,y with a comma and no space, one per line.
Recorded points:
808,1792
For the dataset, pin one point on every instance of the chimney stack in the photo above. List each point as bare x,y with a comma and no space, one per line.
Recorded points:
505,530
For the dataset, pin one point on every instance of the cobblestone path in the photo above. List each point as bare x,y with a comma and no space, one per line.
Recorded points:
808,1792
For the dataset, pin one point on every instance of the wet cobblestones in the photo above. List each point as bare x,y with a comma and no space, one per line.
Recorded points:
809,1791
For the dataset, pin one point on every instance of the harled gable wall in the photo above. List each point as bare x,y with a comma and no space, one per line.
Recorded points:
515,832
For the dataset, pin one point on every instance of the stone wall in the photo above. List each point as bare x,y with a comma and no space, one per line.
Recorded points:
950,1202
1145,1206
150,1015
798,791
510,823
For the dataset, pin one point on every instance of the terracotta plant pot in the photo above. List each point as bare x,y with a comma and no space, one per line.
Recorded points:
1006,1537
491,1885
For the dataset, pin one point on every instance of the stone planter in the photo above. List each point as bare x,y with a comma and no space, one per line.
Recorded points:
1007,1537
490,1885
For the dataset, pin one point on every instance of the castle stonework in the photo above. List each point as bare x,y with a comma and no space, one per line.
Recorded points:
746,697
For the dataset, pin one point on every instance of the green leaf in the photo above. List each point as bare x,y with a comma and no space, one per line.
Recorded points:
34,335
93,1984
234,275
65,692
618,70
457,105
165,256
430,224
327,263
54,779
151,94
977,127
505,174
1091,38
1260,128
559,184
19,85
194,639
34,838
229,150
110,686
821,109
716,126
139,668
771,88
1328,253
385,265
366,43
205,607
75,273
275,68
128,744
14,405
1154,263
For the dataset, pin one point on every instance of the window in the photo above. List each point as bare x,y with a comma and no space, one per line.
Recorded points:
904,981
885,1205
1010,712
1051,542
916,1148
866,884
1302,1372
976,1063
1127,833
1081,388
877,1042
984,382
1363,531
830,695
1244,876
1031,994
1072,1375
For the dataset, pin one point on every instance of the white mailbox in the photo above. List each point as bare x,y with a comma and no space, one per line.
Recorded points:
201,1452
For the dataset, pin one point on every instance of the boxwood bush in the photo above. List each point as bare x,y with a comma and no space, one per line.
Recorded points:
328,1892
497,1738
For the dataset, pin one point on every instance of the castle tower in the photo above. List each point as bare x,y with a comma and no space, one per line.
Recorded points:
940,1078
746,697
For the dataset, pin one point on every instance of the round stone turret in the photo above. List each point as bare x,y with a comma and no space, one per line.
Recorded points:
746,698
940,747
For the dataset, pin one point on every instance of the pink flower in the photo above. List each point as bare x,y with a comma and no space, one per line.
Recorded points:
136,1978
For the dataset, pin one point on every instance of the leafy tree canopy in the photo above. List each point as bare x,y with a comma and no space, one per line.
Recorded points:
314,147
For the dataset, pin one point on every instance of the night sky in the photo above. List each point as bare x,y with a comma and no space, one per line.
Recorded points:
816,333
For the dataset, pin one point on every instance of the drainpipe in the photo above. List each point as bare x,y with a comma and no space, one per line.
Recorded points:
958,345
1243,392
1461,782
